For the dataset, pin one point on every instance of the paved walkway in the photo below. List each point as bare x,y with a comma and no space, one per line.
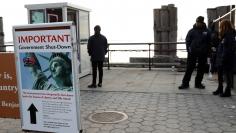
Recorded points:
153,104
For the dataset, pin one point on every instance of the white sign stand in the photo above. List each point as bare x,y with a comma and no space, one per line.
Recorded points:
46,62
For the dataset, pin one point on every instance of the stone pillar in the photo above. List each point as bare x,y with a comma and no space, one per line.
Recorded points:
2,49
233,15
165,29
156,28
173,29
234,19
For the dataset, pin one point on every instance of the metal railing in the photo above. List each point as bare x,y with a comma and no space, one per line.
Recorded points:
228,13
148,49
4,47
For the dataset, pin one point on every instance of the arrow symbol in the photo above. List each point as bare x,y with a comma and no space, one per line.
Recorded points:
33,111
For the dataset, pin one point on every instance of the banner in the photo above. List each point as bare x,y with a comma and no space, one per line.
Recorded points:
47,77
9,104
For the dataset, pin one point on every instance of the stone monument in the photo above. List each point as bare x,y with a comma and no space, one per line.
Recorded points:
165,30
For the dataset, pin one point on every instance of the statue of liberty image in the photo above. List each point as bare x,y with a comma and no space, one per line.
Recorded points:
60,69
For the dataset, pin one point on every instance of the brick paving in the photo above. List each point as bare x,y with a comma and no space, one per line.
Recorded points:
161,112
153,105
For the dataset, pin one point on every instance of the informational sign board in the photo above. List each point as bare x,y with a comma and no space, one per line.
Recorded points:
47,82
9,103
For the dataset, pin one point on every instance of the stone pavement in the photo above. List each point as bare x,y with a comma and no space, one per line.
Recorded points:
153,104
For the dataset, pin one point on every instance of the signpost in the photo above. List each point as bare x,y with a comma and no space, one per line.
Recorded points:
46,61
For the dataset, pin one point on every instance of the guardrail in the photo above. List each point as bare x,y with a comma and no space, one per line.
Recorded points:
148,49
4,47
226,14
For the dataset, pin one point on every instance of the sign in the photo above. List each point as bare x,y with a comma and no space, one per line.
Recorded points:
47,78
33,111
9,104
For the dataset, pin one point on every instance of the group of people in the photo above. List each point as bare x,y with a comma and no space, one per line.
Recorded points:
203,42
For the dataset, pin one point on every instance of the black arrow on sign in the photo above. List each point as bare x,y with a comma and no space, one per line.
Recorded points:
33,111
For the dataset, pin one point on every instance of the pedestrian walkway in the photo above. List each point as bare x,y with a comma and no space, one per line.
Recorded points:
162,80
153,104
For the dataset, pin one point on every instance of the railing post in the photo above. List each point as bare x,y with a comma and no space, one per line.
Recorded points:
149,56
108,57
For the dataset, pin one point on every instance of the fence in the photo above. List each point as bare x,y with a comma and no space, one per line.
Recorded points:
6,48
125,50
147,48
221,17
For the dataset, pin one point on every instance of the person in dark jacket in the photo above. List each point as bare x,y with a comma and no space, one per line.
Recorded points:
225,58
97,49
214,36
198,47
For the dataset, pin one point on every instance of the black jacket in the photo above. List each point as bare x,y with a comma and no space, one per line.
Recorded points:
226,51
198,41
97,47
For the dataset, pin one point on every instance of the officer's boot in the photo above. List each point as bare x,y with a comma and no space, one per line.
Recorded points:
227,92
219,91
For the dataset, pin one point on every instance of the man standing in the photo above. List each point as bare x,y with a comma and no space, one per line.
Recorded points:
97,49
198,47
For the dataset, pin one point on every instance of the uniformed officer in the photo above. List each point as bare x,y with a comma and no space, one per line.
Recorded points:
198,47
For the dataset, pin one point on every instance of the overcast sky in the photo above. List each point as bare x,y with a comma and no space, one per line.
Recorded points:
120,20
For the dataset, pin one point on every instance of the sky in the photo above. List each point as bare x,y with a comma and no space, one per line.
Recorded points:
120,20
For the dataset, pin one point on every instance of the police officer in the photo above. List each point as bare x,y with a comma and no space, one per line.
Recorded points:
225,58
198,47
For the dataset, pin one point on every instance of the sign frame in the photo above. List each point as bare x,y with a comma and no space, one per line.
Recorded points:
46,104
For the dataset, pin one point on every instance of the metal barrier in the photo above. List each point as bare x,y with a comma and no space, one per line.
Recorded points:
149,50
220,17
4,47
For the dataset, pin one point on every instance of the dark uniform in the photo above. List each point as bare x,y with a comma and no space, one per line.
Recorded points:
97,49
225,63
214,44
198,47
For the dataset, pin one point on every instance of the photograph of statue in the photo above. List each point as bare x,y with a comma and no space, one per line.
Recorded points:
46,71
